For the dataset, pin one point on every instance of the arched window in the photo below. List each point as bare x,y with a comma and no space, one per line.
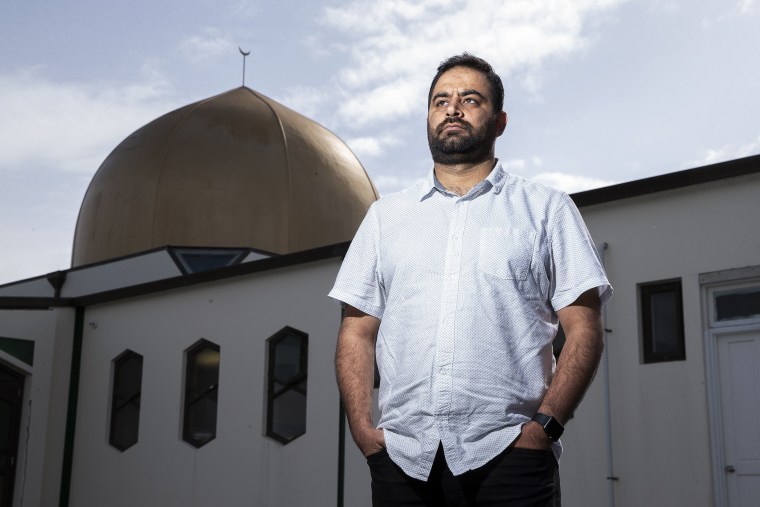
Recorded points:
288,352
125,400
201,392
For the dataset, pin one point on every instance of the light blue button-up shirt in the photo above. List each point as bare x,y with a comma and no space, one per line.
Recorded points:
467,290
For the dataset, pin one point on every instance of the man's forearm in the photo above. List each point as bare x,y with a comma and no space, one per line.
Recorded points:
354,366
575,371
355,370
579,359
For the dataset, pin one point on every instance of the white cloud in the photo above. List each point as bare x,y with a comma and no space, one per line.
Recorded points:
72,126
724,153
395,99
307,100
563,181
209,45
745,6
665,6
316,47
570,182
516,165
246,9
519,165
740,8
395,55
386,184
372,146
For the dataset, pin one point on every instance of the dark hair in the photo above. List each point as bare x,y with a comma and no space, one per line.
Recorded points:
475,63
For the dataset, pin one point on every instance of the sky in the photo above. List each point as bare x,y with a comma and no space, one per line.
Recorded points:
597,91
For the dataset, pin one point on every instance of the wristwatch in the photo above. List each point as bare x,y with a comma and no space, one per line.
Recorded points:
552,427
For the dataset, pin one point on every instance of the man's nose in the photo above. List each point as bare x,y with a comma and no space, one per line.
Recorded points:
453,109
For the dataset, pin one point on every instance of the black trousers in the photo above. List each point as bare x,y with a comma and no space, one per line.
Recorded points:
514,478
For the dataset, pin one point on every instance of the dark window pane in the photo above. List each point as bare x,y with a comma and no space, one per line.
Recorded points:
662,321
125,400
287,358
737,304
195,260
201,392
6,411
286,390
129,375
20,349
289,415
664,308
205,262
124,430
203,369
200,418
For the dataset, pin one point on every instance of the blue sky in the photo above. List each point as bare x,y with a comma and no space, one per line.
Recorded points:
598,91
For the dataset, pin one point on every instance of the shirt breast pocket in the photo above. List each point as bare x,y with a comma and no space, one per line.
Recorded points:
506,253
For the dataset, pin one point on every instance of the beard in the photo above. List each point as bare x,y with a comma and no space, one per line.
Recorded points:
471,146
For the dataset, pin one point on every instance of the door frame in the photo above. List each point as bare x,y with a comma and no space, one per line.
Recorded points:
19,379
709,283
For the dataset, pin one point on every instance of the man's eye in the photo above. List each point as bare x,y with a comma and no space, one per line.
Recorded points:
470,100
441,103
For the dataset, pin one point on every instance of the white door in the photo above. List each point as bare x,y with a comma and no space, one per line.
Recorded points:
739,377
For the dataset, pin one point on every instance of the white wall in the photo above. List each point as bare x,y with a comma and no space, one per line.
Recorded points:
241,466
659,411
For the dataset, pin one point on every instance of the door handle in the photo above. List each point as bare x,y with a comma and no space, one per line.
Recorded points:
730,469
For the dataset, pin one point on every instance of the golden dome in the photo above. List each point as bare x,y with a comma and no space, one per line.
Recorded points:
234,170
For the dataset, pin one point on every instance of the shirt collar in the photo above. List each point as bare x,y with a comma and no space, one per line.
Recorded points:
494,182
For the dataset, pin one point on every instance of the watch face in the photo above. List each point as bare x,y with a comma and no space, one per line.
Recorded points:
552,427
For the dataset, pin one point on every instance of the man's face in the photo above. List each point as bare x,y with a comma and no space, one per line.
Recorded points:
462,125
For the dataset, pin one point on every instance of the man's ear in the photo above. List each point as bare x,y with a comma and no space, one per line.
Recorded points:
501,122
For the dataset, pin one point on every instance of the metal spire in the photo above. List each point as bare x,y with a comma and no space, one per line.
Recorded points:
244,53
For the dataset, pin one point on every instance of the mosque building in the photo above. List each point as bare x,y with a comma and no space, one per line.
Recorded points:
186,357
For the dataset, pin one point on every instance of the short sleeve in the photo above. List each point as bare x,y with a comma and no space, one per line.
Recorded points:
575,262
359,282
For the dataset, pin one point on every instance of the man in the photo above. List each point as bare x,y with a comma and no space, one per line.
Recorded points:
456,289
